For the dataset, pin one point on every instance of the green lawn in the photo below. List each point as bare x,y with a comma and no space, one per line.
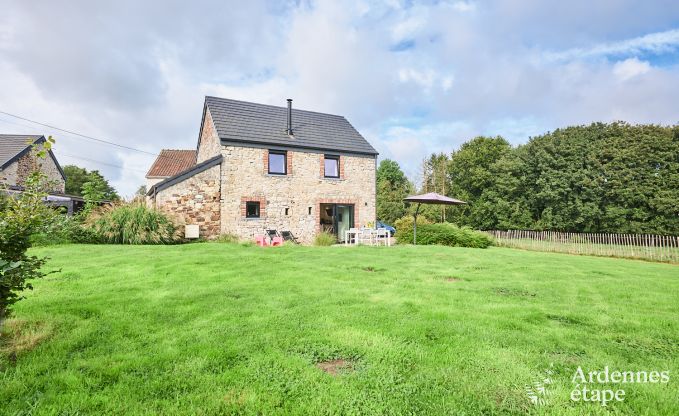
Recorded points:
227,329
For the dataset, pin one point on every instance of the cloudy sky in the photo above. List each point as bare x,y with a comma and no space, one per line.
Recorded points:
413,77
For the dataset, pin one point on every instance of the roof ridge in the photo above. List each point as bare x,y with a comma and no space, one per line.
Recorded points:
274,106
21,135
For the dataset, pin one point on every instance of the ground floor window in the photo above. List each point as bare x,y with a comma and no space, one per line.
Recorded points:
252,209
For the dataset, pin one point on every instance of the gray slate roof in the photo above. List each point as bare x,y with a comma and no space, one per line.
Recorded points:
241,121
12,146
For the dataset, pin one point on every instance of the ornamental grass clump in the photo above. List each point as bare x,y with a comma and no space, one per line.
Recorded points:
325,239
132,223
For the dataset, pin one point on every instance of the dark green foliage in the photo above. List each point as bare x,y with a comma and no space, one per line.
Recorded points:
616,178
392,187
445,234
77,177
63,229
132,223
21,216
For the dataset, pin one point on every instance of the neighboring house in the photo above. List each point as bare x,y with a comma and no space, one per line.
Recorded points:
18,159
261,167
169,163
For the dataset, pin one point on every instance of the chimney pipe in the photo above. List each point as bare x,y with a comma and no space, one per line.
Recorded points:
289,116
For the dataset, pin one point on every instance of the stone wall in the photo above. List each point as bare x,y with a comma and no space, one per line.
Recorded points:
9,175
210,145
196,200
18,172
291,202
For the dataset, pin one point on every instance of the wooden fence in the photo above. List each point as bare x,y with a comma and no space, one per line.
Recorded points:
639,246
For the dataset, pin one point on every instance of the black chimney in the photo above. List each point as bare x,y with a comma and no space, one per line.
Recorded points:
289,116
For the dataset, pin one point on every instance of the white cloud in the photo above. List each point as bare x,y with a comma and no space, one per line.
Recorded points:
136,73
659,42
464,6
630,68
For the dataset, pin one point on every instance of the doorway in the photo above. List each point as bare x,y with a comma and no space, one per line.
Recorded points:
337,219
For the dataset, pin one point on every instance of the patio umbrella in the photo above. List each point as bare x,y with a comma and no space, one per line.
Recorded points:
430,198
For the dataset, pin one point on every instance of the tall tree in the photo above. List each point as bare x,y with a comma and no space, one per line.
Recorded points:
435,178
392,187
471,174
76,177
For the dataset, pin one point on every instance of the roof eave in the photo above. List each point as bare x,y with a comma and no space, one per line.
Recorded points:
27,149
181,176
294,146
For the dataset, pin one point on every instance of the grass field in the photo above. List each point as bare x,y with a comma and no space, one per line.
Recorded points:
227,329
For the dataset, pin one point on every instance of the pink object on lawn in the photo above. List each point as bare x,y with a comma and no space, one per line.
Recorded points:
260,240
277,241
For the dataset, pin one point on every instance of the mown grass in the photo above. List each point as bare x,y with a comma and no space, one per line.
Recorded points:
228,329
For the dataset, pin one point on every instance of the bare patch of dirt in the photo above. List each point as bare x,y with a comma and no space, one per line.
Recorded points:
503,291
453,279
236,397
335,367
564,319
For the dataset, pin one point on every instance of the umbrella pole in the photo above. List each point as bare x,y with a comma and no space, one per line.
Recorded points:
417,211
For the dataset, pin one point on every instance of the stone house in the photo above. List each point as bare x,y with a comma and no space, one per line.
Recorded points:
260,167
18,159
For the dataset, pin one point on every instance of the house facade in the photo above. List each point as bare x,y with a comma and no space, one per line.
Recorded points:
260,167
18,159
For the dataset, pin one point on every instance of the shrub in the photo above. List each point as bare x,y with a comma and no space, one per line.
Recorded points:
227,238
131,223
63,229
444,234
406,223
325,239
20,217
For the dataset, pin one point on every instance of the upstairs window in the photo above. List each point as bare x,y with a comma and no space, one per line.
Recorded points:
252,209
278,162
331,166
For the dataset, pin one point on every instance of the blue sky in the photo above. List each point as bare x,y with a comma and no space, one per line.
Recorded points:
413,77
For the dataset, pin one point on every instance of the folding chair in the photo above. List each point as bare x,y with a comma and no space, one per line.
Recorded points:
287,236
272,234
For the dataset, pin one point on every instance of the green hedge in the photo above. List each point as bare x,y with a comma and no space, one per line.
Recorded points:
445,234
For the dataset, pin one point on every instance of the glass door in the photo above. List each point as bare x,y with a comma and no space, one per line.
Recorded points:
344,220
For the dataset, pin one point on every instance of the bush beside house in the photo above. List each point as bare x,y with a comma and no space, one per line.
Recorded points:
445,234
131,223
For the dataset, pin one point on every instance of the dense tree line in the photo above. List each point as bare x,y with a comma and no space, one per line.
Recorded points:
616,177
